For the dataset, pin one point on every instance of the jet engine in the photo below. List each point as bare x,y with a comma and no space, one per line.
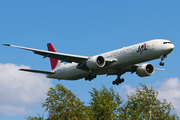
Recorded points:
145,70
95,62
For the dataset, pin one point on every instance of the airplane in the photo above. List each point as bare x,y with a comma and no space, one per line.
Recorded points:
115,62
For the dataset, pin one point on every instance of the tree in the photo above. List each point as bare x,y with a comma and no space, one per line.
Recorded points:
63,104
105,104
34,117
143,104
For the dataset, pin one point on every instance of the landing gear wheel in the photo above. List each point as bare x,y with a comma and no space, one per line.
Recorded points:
161,63
90,77
114,82
117,83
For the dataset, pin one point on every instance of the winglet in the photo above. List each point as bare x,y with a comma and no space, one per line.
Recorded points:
6,44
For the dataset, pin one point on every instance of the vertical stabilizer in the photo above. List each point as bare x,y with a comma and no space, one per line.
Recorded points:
54,62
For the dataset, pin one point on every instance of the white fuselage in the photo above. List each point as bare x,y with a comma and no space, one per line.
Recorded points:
125,57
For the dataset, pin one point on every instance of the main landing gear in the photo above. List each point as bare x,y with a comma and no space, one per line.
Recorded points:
162,58
118,81
90,77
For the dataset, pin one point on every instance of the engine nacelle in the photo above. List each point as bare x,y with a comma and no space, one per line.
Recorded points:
145,70
95,62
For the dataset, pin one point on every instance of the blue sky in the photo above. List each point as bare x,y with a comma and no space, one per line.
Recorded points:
82,28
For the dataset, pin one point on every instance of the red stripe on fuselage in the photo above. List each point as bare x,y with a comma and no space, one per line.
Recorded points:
143,48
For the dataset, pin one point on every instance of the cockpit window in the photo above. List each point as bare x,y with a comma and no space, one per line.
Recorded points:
167,43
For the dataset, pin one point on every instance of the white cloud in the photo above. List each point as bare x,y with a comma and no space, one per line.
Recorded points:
126,89
170,90
20,91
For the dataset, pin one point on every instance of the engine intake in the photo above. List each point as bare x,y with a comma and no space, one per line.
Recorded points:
145,70
96,62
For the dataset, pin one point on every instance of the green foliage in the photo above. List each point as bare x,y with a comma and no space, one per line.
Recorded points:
35,118
143,104
63,104
105,104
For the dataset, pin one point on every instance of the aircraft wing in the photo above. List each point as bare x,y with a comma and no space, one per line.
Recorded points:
132,69
60,56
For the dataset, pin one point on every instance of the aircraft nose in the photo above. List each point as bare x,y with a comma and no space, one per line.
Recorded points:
169,48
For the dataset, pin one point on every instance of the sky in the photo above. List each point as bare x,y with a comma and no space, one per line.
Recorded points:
82,28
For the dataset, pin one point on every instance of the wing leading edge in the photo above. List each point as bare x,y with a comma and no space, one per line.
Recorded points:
60,56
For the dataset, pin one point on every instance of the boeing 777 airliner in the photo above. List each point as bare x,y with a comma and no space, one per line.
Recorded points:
115,62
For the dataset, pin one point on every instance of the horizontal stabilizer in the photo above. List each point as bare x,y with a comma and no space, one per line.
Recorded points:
37,71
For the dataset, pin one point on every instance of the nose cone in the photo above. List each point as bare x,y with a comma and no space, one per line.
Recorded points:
169,48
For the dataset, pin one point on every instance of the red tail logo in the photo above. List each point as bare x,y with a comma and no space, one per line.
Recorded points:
52,60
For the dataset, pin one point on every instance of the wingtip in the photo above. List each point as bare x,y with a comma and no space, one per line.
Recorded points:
6,44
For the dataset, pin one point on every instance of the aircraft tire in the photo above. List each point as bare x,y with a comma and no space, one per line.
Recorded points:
161,63
122,80
114,82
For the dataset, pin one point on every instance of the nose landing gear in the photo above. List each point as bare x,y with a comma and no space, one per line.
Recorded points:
162,58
